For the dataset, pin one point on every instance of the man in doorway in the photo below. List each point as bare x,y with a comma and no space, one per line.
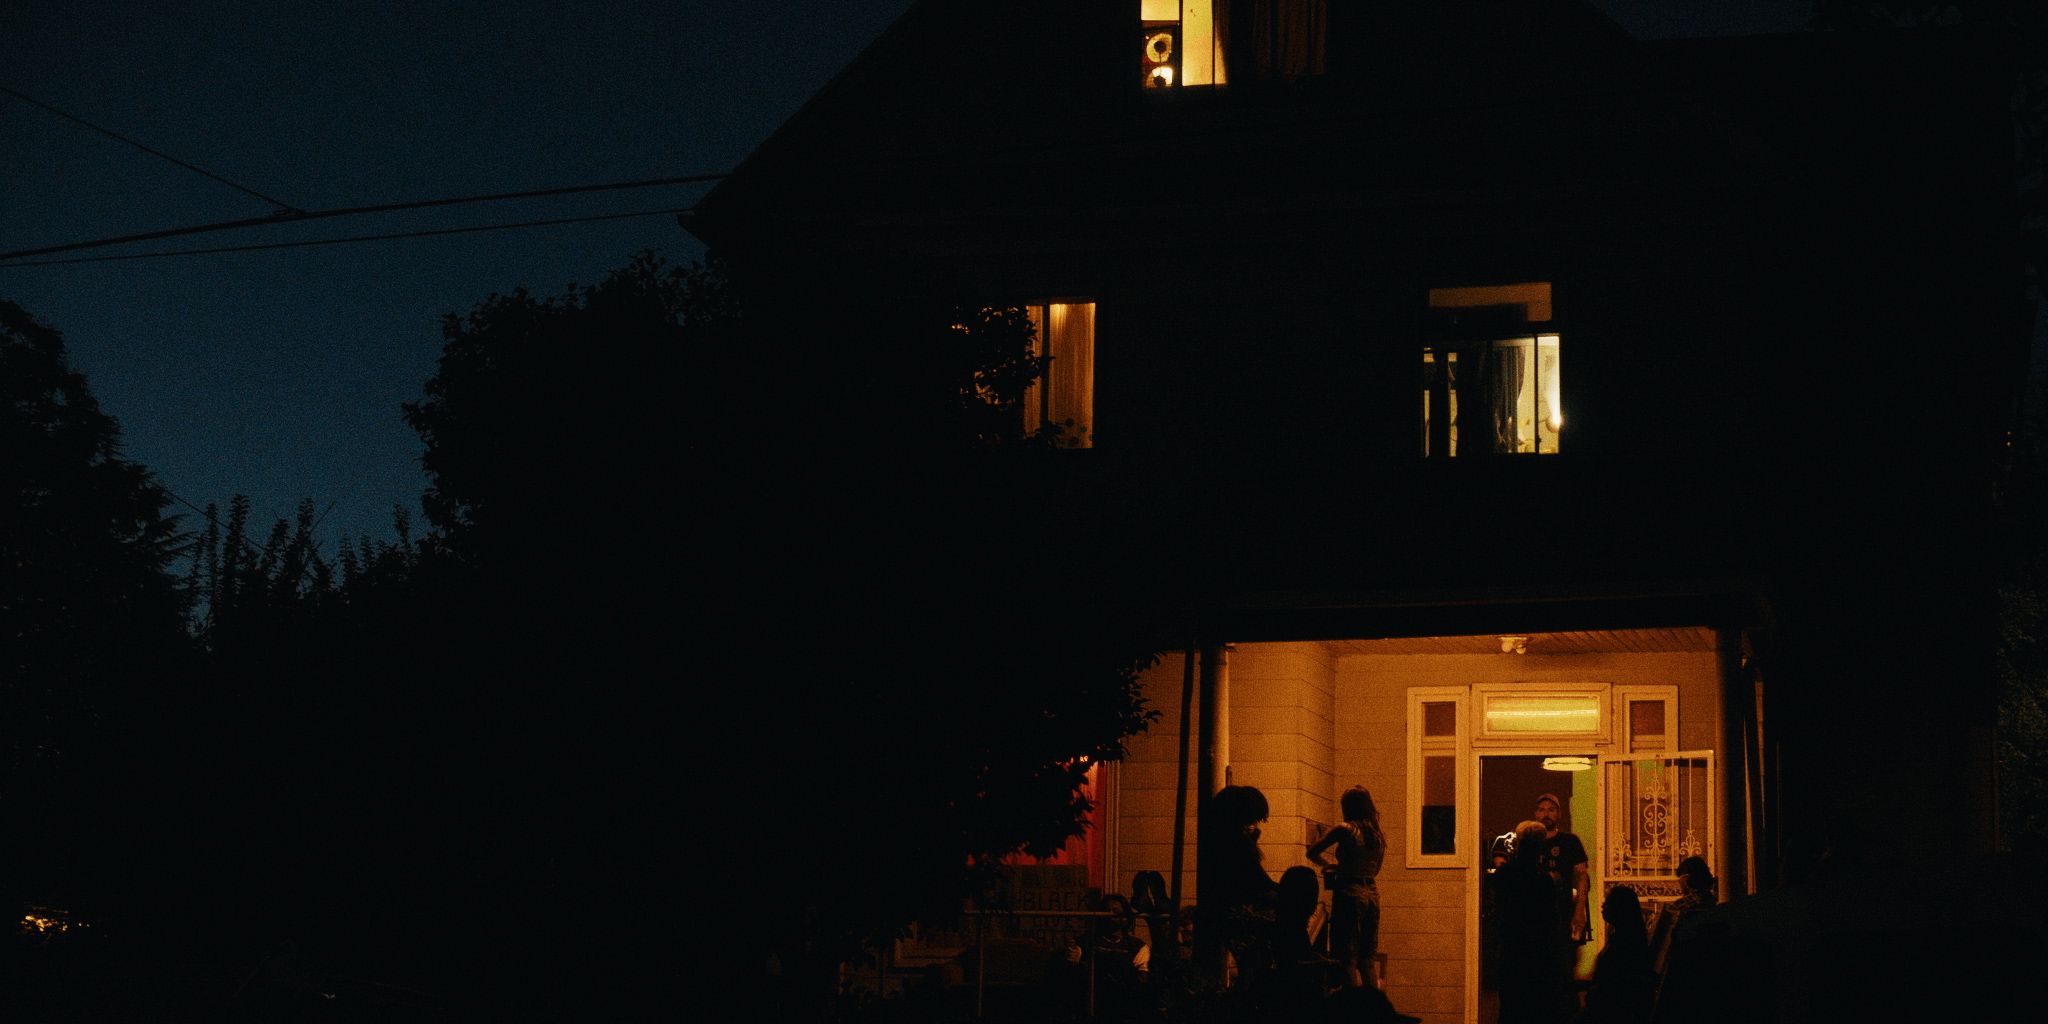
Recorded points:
1564,859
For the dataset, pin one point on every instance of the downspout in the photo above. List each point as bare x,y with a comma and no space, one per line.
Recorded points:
1180,789
1213,766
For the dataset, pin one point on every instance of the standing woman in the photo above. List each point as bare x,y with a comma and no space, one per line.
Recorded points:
1354,892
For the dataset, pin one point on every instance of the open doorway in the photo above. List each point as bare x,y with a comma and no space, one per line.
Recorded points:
1510,786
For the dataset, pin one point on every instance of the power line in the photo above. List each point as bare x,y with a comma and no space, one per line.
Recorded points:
295,216
284,206
351,238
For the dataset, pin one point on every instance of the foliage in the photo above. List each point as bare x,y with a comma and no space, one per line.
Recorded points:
987,364
85,547
91,636
241,592
2021,746
542,406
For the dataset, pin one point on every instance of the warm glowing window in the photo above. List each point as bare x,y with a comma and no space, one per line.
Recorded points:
1065,395
1182,46
1514,711
1490,373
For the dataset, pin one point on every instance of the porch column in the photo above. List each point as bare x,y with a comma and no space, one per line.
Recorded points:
1212,768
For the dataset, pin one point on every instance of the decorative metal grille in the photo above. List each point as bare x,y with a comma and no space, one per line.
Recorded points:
1659,812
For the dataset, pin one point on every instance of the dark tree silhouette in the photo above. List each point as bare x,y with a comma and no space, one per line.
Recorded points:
90,612
868,670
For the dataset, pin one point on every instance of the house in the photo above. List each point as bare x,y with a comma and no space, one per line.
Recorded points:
1481,387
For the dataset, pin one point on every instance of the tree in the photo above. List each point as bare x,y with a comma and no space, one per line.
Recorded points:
794,612
90,612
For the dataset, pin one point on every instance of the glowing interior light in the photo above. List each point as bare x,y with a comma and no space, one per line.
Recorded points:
1161,76
1538,714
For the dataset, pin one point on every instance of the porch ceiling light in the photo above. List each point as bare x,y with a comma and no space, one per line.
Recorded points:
1572,763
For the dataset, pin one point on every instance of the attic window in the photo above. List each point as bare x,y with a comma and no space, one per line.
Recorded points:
1490,373
1181,46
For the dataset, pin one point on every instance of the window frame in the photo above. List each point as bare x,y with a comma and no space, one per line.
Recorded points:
1601,733
1459,748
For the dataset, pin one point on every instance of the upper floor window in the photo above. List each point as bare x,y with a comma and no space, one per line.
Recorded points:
1181,43
1490,373
1190,42
1065,393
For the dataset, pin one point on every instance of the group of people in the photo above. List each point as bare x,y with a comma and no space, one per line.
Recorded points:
1264,925
1538,917
1259,927
1537,902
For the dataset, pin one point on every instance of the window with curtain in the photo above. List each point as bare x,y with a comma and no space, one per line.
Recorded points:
1191,42
1065,395
1491,382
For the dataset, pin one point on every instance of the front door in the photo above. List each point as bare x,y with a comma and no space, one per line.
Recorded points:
1510,786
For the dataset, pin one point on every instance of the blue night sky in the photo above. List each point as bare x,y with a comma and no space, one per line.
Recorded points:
279,373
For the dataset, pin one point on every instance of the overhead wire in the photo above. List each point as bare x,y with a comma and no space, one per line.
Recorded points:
297,216
351,238
117,136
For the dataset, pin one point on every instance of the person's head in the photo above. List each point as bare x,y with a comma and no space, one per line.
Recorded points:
1621,906
1116,904
1298,890
1148,892
1697,878
1623,912
1356,804
1548,809
1529,840
1241,809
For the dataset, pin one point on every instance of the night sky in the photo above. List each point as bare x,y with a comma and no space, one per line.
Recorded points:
279,373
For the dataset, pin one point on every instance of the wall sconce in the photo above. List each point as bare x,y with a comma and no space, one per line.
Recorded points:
1572,763
1514,645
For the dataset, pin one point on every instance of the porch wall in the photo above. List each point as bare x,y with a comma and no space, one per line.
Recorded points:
1423,910
1306,724
1145,790
1282,740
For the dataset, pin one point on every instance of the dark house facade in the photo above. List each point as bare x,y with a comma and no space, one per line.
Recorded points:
1475,385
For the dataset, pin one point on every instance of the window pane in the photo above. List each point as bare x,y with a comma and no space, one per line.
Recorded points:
1066,394
1439,718
1646,717
1565,713
1439,824
1511,385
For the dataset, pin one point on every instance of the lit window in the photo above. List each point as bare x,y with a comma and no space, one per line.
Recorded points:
1182,46
1490,373
1065,395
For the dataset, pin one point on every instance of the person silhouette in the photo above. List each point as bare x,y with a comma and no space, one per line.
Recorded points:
1623,986
1533,983
1300,974
1354,894
1238,895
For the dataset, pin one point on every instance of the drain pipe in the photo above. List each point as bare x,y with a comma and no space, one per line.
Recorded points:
1212,774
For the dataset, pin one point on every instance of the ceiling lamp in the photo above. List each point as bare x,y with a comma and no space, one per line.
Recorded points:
1514,645
1572,763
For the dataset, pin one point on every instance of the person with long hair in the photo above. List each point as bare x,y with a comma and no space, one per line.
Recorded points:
1624,987
1237,893
1354,890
